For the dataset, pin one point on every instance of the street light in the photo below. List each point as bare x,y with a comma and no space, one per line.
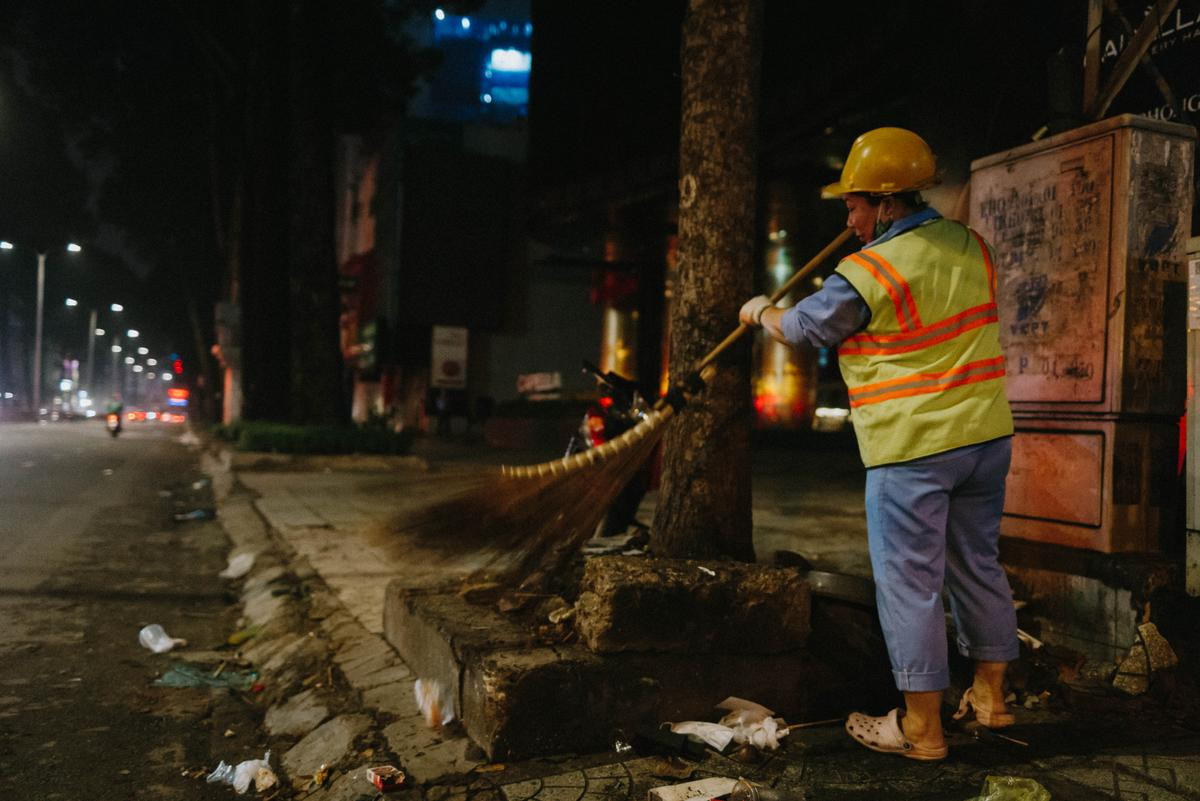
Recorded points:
71,302
37,334
117,307
133,333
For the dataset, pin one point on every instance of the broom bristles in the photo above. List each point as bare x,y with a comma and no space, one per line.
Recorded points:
534,518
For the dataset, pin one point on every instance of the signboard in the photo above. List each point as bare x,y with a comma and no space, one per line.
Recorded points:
448,366
1175,53
540,386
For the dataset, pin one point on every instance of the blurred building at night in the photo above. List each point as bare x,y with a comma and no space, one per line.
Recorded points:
432,234
529,194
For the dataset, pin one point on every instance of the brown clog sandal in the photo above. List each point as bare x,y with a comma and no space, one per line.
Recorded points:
993,720
884,735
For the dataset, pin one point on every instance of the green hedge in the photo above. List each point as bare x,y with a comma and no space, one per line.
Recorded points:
285,438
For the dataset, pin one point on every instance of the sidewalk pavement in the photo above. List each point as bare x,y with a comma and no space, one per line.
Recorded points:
339,696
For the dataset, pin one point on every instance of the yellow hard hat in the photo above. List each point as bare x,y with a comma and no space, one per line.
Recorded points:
886,161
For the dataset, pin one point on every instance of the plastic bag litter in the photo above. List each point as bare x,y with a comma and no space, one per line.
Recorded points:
1011,788
188,675
752,723
256,770
714,735
157,640
436,704
238,566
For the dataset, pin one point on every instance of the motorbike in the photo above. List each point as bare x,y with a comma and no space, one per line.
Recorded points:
113,422
619,408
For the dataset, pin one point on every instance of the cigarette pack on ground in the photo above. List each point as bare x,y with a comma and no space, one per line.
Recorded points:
701,790
386,777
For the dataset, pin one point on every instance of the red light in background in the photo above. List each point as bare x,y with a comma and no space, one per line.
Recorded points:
178,393
177,366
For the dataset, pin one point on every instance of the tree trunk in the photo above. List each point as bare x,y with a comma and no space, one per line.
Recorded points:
704,502
315,352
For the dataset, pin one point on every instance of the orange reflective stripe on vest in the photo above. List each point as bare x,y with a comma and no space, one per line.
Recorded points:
987,262
896,287
876,344
924,383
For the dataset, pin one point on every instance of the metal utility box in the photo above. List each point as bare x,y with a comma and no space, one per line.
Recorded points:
1090,230
1106,485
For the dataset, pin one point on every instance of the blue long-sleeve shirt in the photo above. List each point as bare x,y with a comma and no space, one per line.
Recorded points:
836,310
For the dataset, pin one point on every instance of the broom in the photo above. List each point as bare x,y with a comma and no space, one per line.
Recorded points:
535,517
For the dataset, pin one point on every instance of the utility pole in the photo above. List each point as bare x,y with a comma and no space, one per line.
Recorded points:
37,337
90,373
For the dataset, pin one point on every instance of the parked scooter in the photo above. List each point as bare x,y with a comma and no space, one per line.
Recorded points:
113,422
619,408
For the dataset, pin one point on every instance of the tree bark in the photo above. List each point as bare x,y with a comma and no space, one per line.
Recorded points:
704,503
315,352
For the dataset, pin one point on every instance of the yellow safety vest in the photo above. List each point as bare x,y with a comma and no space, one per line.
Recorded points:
927,373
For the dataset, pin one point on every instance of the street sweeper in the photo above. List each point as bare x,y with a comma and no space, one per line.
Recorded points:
913,315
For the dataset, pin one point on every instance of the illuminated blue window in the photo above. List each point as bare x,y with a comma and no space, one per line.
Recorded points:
486,66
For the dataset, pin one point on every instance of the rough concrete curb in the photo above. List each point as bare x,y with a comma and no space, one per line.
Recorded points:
335,695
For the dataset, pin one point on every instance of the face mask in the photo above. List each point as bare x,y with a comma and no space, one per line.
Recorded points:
881,226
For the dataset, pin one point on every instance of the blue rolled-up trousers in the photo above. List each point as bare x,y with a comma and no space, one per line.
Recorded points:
934,522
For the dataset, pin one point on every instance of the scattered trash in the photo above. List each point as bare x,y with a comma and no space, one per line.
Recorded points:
242,635
715,787
494,767
672,768
561,614
195,514
229,733
108,471
238,565
319,778
1150,653
708,571
154,638
187,675
436,705
752,724
745,790
660,742
1033,642
1011,788
256,770
714,735
200,484
165,493
386,777
622,747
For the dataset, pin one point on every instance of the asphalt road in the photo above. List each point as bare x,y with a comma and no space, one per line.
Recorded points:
89,553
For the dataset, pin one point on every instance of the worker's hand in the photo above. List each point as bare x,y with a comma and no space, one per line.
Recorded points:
752,310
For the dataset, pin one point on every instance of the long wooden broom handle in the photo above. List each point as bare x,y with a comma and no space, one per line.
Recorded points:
704,366
812,264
